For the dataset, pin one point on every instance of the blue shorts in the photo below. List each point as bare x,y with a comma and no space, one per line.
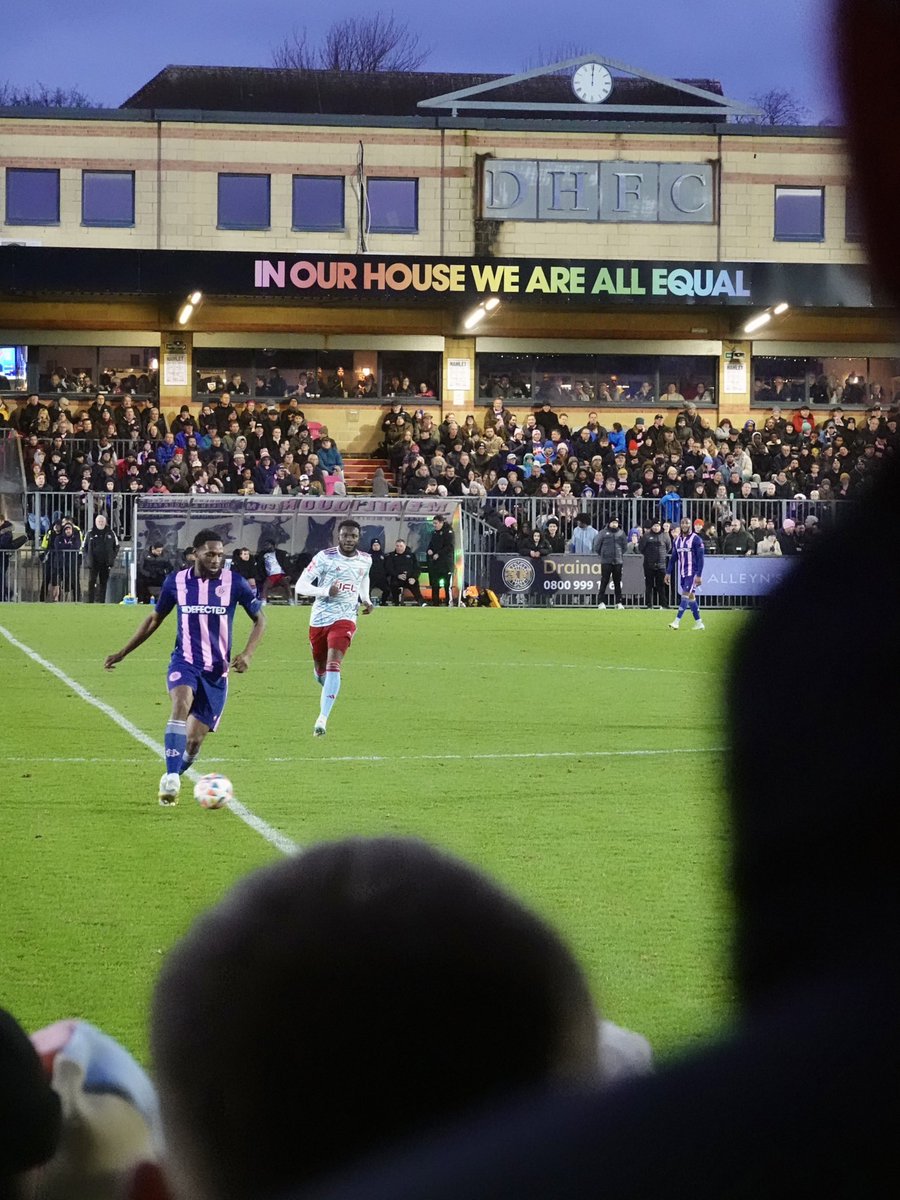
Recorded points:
686,586
210,691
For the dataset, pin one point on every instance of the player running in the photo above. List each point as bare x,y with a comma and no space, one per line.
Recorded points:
687,553
339,580
206,597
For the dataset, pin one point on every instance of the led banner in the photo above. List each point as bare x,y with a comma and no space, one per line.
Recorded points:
579,575
297,525
589,283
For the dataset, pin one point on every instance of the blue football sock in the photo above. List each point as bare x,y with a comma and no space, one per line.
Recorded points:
330,689
695,610
187,760
682,608
175,742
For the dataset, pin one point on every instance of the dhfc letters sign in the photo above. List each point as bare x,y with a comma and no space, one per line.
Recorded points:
526,190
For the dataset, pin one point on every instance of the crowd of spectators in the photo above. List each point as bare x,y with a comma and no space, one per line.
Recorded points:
791,455
98,448
130,446
314,384
559,389
110,382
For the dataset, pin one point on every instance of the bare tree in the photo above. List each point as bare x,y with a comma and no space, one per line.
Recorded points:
39,95
370,43
779,106
559,53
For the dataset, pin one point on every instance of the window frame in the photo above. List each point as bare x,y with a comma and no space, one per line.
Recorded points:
243,225
107,224
371,228
307,228
789,187
852,202
54,171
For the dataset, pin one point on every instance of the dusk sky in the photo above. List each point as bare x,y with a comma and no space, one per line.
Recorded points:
109,48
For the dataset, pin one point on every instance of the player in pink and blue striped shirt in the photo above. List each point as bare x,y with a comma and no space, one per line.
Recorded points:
206,597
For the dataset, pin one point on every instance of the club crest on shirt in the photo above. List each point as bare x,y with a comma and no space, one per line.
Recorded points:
174,676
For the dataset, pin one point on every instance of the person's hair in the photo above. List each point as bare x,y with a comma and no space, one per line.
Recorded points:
204,536
349,523
375,988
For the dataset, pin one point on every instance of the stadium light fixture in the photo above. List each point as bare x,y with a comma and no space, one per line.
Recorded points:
193,301
757,322
781,308
485,309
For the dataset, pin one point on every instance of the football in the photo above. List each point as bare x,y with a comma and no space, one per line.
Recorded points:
212,791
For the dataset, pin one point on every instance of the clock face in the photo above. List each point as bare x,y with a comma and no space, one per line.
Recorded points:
592,83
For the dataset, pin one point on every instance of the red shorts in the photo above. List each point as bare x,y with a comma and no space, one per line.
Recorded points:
337,636
276,579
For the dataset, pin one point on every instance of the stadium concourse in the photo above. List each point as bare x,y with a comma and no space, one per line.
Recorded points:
748,490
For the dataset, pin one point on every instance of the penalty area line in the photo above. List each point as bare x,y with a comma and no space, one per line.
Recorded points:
257,824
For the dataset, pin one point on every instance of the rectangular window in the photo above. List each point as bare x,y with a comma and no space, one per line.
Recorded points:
853,222
393,205
243,202
107,197
32,196
568,381
799,214
318,202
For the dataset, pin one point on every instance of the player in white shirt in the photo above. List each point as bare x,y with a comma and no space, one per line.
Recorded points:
339,580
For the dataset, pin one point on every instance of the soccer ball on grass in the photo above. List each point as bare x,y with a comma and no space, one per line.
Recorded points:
213,791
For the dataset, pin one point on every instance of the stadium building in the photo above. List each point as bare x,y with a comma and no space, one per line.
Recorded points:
576,231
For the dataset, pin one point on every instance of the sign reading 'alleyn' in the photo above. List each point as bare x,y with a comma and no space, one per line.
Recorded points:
503,279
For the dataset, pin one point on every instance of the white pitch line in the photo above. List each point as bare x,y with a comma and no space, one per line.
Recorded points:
272,836
390,758
116,762
539,666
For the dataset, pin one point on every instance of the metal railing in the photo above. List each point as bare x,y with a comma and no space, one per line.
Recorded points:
42,509
638,512
37,576
90,447
37,572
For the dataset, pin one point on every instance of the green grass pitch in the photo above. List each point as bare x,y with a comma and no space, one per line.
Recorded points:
499,735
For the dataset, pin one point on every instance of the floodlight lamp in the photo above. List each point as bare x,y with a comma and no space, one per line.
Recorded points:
195,298
781,308
492,303
184,314
757,322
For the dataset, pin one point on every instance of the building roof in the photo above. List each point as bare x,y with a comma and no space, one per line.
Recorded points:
385,93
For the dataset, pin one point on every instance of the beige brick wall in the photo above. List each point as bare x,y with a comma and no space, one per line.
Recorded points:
190,156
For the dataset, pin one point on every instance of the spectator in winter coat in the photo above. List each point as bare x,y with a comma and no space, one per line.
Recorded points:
402,570
378,580
736,540
102,547
768,546
584,536
655,546
245,564
611,545
440,560
553,541
330,460
152,571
